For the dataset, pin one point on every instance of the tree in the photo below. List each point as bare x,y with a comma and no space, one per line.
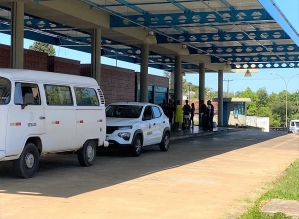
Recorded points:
43,47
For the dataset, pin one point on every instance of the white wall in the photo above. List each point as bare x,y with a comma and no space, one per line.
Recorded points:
260,122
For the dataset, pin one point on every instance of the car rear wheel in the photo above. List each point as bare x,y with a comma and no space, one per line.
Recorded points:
137,146
87,154
164,144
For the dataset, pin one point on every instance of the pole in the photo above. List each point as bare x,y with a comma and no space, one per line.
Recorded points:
227,92
286,84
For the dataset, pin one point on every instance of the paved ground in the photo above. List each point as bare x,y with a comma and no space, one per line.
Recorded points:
197,178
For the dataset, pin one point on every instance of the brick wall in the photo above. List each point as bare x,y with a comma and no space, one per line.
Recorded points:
4,56
118,84
155,80
196,104
34,60
62,65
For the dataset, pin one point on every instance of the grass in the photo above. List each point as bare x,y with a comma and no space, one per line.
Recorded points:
284,187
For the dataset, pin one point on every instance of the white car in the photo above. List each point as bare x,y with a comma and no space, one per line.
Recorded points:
135,125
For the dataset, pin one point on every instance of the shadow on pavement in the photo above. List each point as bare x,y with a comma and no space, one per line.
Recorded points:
61,175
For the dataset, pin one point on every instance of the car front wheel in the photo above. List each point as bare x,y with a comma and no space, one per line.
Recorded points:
137,146
164,144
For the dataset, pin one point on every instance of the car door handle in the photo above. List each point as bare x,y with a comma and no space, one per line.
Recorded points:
42,117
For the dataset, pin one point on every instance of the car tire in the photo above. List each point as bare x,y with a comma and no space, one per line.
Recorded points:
164,144
136,146
27,164
87,154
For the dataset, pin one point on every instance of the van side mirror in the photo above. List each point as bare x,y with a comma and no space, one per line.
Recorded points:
23,105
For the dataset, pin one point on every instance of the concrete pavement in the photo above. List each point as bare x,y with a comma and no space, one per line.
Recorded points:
197,178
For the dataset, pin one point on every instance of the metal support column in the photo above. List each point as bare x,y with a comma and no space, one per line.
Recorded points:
96,54
144,73
178,80
220,97
202,73
17,35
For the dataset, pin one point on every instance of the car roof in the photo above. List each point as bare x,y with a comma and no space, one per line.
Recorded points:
133,104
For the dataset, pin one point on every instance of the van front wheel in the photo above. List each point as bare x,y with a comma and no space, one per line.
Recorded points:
27,164
87,154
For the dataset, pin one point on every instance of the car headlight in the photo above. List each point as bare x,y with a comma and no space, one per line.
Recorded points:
124,135
124,127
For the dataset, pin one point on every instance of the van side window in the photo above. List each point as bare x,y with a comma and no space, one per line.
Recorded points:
58,95
86,96
292,124
27,93
5,90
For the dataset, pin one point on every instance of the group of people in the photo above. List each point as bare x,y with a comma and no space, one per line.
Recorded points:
206,114
184,115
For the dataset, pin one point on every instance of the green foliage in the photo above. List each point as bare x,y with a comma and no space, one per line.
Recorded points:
43,47
285,187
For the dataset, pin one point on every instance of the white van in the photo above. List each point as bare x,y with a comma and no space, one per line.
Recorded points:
45,112
294,126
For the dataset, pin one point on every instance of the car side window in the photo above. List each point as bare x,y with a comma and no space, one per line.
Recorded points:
27,93
157,112
147,114
292,124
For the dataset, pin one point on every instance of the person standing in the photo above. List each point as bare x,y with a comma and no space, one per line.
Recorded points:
179,114
192,115
186,110
210,114
170,112
203,115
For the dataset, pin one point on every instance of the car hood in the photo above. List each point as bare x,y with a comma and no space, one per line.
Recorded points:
114,121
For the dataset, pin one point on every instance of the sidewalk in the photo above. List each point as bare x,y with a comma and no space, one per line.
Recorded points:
197,131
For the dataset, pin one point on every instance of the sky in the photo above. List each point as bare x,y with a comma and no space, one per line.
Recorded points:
233,83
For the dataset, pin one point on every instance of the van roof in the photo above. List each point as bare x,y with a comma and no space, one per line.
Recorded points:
46,77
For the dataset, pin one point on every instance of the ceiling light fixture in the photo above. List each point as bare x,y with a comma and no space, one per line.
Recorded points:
247,73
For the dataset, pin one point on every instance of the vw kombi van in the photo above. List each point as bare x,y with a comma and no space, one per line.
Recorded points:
45,112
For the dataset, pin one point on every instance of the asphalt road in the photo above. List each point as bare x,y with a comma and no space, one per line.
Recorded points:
197,178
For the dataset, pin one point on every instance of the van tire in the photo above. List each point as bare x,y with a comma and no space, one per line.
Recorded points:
27,164
136,146
164,144
87,154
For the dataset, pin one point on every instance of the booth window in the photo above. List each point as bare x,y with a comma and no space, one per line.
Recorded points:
239,109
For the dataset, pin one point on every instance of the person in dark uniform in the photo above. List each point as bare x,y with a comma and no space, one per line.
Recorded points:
210,115
203,115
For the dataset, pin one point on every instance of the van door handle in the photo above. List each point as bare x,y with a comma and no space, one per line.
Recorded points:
154,124
163,121
42,117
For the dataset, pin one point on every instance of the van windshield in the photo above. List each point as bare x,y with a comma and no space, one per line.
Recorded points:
297,124
123,111
5,91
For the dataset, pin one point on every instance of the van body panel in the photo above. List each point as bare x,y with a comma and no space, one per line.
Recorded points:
22,123
60,128
294,126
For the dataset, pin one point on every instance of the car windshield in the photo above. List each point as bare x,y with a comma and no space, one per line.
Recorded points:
123,111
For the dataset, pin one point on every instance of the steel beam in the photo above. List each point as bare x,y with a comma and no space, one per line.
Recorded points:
191,18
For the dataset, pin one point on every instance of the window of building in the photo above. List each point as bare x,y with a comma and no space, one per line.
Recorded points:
86,96
27,93
58,95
